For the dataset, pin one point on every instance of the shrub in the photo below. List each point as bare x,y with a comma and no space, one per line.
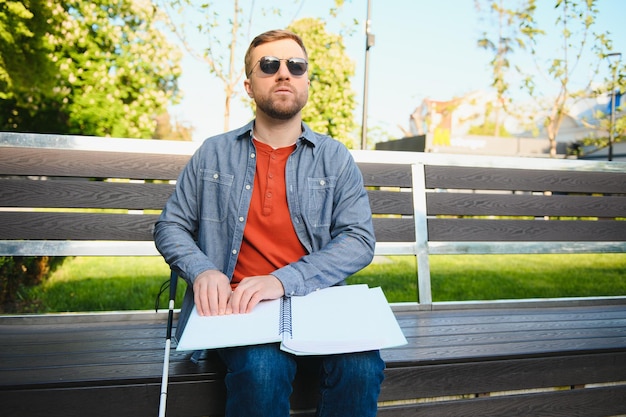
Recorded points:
17,272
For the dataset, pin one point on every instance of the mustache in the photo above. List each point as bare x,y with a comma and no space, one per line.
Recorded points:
285,85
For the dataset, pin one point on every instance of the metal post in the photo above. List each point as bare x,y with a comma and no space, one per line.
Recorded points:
369,42
613,100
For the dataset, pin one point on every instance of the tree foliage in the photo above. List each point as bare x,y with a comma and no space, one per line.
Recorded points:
581,50
188,18
575,23
113,70
331,104
514,24
26,68
225,37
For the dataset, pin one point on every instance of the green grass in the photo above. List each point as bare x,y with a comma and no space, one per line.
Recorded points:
132,283
492,277
103,284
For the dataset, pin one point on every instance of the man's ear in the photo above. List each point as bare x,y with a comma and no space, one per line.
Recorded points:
246,84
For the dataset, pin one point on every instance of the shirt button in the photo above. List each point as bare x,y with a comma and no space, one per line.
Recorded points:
322,182
247,186
216,175
241,219
252,155
234,251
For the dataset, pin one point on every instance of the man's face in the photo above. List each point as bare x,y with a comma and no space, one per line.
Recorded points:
281,95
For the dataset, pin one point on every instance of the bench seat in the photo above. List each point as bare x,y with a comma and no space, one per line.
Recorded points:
458,362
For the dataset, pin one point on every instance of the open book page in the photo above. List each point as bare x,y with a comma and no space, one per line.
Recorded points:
209,332
342,319
351,318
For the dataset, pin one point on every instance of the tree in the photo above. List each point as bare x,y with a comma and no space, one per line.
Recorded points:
512,25
575,23
26,68
168,131
114,71
612,118
225,37
331,104
209,24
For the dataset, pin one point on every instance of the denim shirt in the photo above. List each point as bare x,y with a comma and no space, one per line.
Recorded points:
202,224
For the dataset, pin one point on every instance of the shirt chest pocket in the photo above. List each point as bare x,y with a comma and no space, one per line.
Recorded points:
216,190
321,193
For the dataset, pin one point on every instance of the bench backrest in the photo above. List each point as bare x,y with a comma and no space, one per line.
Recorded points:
69,195
493,205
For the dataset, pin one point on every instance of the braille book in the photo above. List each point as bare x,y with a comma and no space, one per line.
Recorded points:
341,319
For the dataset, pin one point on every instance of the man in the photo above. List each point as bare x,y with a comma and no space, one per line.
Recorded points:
267,210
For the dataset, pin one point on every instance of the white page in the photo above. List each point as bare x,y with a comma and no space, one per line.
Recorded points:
342,319
261,325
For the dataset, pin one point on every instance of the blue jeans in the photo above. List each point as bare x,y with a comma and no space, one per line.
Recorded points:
259,382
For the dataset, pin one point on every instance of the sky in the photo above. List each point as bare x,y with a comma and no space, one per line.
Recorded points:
423,49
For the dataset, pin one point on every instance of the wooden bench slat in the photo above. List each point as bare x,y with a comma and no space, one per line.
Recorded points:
390,202
471,377
132,400
486,178
595,402
452,352
76,226
83,194
394,229
459,230
524,205
554,316
90,164
386,175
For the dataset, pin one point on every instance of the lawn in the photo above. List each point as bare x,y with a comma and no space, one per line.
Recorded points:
132,283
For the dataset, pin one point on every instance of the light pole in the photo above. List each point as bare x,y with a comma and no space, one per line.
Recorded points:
613,66
369,42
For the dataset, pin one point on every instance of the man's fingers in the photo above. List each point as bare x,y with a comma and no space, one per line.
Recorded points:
224,294
251,291
254,300
211,293
201,298
236,300
213,297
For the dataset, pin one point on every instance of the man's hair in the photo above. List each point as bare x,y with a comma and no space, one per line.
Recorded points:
271,36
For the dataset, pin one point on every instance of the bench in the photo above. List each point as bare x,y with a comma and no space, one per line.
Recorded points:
551,357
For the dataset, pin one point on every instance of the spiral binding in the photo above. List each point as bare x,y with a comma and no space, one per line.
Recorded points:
285,317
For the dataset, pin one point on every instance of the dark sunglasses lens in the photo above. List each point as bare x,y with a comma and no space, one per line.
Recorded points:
296,66
269,65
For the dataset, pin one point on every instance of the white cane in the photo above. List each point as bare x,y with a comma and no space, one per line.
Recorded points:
168,344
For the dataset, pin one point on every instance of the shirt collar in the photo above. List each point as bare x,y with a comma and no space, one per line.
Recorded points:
307,136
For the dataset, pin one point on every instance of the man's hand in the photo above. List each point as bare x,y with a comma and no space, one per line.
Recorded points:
211,293
251,291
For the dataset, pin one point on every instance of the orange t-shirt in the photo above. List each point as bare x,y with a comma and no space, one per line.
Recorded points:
269,239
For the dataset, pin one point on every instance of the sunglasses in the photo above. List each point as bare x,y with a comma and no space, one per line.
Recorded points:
269,65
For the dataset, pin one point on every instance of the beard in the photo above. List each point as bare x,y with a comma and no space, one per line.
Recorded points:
280,109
